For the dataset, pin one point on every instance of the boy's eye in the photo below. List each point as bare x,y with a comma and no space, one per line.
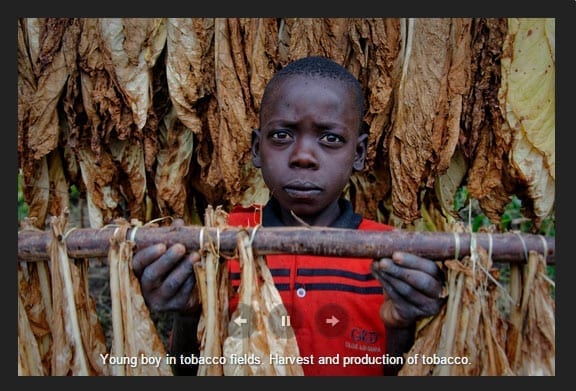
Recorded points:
332,138
280,135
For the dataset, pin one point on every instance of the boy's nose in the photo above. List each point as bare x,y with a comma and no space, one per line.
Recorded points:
303,154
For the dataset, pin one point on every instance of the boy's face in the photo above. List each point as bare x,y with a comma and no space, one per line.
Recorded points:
308,145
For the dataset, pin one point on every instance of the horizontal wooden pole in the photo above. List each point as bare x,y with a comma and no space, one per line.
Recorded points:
94,243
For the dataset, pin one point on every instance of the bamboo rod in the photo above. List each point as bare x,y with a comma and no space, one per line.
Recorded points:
94,243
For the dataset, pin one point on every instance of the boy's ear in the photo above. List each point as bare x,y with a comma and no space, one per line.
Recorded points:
255,148
361,150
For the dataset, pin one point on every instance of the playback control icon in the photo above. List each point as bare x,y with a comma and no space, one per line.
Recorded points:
285,321
282,322
331,320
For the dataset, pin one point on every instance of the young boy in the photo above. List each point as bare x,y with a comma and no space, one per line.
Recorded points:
307,147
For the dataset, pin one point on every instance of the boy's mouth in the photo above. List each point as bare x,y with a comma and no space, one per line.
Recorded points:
298,189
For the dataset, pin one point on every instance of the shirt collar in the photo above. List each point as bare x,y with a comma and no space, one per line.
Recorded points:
347,219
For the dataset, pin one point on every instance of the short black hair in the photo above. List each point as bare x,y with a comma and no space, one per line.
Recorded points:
318,66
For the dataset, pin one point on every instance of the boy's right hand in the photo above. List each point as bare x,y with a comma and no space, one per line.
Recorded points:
167,277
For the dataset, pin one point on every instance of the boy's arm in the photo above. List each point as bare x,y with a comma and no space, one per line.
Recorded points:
398,342
184,341
412,290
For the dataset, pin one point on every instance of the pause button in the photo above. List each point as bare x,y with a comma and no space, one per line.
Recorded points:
285,321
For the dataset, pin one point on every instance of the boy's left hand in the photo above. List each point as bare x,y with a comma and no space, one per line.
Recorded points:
412,286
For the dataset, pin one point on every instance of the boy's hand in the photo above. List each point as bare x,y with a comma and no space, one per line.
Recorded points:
167,277
412,286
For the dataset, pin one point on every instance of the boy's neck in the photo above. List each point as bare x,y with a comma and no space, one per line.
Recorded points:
323,219
343,216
